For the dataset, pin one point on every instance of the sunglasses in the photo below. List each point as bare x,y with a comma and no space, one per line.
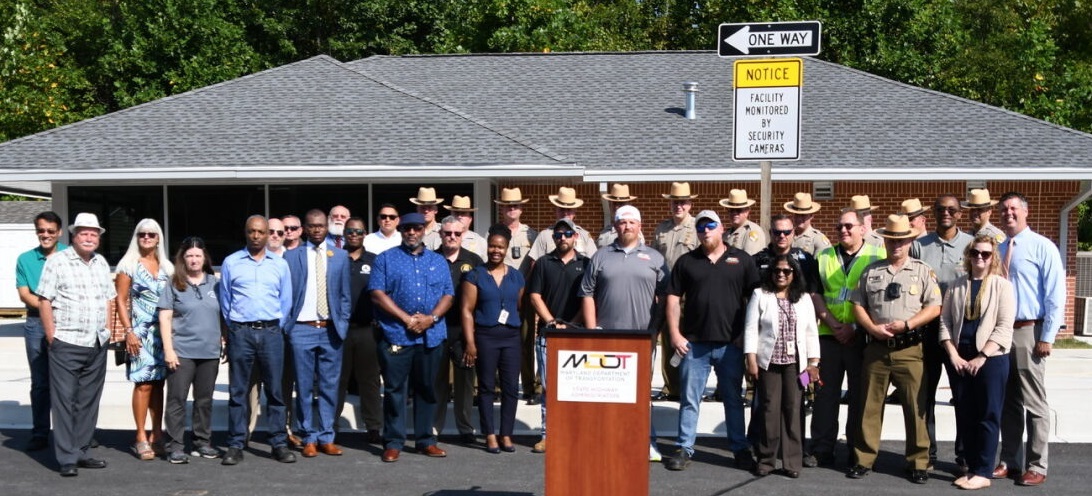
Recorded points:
708,226
780,232
564,234
950,210
277,232
784,271
847,227
47,231
351,231
454,234
292,228
388,217
149,235
412,227
984,255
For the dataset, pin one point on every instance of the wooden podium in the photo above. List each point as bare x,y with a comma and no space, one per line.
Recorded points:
597,411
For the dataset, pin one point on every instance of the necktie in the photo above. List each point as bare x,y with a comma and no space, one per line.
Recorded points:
322,306
337,241
1009,245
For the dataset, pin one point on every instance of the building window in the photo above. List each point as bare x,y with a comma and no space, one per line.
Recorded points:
118,208
215,213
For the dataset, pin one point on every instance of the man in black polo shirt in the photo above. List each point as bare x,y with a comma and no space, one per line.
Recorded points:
782,237
716,281
360,360
552,290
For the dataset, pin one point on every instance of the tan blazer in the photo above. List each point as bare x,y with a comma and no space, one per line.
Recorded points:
763,326
998,312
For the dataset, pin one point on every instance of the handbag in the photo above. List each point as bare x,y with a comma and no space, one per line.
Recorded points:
117,336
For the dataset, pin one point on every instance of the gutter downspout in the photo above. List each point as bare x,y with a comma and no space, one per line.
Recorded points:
1063,231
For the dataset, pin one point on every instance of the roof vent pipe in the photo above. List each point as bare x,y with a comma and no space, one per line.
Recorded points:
691,90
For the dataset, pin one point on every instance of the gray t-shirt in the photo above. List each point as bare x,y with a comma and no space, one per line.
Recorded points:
944,257
624,285
195,324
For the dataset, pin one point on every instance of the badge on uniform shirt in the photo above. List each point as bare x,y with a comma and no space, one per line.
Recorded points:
731,261
915,289
365,269
464,268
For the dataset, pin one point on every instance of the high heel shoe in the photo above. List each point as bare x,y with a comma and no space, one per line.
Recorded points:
507,445
491,445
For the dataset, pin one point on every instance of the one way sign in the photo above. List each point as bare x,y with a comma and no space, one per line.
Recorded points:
769,38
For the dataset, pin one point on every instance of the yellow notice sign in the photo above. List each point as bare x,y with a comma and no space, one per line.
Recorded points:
768,73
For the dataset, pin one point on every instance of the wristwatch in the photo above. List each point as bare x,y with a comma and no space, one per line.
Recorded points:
435,318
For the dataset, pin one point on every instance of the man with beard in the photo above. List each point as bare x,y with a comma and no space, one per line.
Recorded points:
336,227
411,288
716,280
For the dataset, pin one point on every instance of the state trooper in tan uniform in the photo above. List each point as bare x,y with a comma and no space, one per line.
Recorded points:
427,205
566,202
673,238
740,232
863,206
461,208
895,299
618,197
806,237
979,207
915,211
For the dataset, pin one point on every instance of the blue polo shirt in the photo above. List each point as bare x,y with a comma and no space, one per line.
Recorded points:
416,283
255,290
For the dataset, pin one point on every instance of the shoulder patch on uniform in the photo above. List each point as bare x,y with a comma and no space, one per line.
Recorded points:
753,235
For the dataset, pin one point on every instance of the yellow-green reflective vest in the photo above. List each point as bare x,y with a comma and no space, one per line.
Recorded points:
837,284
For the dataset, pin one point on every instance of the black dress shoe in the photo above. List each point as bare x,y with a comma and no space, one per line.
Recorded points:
284,455
744,460
468,438
37,444
69,470
232,457
91,463
679,461
919,476
858,472
792,474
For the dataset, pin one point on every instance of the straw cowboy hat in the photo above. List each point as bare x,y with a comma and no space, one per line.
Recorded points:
897,226
566,198
85,219
912,208
460,204
737,198
801,204
980,198
860,202
426,196
619,193
679,191
511,196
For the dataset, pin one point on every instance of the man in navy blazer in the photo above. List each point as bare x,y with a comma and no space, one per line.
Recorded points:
318,324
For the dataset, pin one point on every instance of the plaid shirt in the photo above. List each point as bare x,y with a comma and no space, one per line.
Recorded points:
78,291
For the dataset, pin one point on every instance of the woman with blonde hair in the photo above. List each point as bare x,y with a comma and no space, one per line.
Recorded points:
142,275
976,332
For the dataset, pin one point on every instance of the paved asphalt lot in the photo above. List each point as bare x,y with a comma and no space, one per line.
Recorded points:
467,471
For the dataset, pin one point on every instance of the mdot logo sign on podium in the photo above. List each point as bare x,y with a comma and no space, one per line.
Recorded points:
767,118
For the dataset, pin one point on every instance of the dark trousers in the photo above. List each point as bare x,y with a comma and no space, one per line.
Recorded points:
838,361
498,350
360,361
262,348
935,359
979,400
38,359
409,364
780,397
200,374
76,377
451,376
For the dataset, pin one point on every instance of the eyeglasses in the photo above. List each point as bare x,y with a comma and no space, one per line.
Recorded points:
984,255
412,227
292,228
388,217
708,226
780,232
149,235
950,210
352,231
277,232
847,227
454,234
784,271
48,231
564,234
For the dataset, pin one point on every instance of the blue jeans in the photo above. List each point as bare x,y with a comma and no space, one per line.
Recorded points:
38,359
317,355
419,365
727,361
264,348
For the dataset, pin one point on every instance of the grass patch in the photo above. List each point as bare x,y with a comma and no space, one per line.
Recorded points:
1071,344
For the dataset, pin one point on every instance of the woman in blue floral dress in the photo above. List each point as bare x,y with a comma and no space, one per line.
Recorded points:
143,273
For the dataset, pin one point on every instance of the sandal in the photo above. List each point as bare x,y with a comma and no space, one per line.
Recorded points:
143,451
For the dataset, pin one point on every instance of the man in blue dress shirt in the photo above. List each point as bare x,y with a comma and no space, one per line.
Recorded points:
1034,266
412,290
255,300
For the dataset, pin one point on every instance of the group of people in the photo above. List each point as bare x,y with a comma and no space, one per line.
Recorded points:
424,309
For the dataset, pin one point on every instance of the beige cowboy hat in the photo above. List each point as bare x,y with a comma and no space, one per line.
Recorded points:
619,193
861,202
737,198
912,208
801,204
426,196
85,219
511,196
980,198
679,191
460,204
897,226
566,198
